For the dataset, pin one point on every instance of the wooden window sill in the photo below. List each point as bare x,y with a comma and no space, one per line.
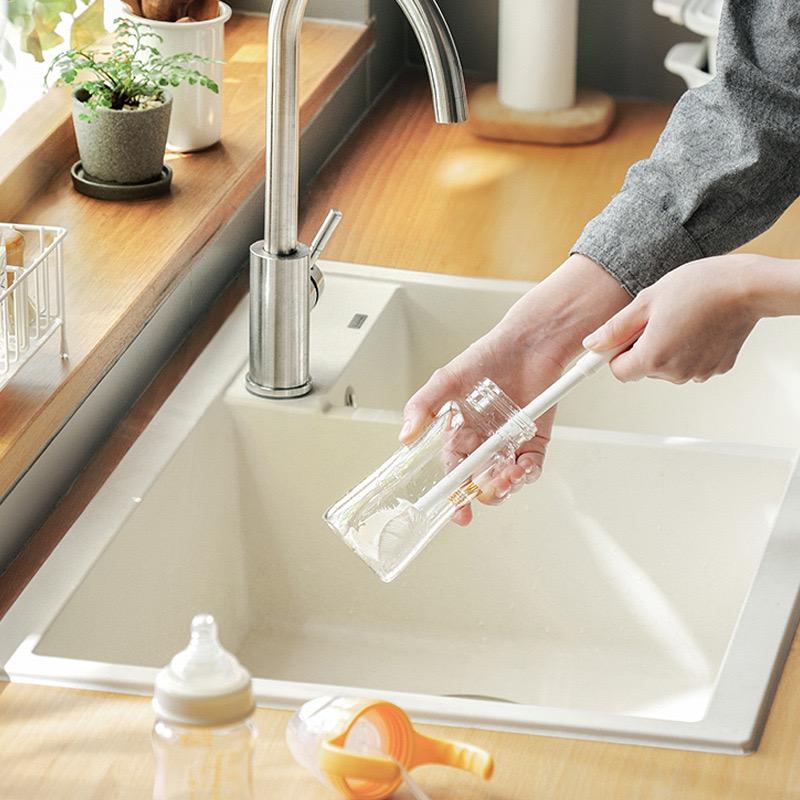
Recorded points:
122,259
34,149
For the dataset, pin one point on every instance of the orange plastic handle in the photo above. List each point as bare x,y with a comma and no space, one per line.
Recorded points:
335,760
428,750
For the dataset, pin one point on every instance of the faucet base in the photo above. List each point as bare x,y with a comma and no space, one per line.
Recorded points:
276,394
280,290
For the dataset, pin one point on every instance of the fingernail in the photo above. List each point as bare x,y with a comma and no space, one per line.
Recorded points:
591,340
501,493
516,480
527,463
534,474
406,429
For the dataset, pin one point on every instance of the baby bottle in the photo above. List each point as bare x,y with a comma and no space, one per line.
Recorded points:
204,733
393,513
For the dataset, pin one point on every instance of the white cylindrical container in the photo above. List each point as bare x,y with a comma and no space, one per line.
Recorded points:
196,121
537,56
204,734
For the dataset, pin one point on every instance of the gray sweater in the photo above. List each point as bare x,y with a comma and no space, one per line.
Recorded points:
727,164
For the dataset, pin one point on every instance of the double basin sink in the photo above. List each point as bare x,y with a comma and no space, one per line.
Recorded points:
644,590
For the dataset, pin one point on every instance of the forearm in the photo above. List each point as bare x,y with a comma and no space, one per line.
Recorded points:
727,164
773,286
553,318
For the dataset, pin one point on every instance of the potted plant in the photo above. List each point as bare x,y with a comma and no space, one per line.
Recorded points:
121,103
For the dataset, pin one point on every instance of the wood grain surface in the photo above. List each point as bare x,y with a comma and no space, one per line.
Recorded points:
33,150
434,197
410,201
78,745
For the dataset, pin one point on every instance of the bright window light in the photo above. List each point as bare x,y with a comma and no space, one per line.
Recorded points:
32,32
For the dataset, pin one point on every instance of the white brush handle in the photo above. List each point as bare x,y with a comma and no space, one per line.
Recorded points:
586,366
589,363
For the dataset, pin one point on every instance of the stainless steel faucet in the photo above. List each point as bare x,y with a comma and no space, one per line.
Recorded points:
285,282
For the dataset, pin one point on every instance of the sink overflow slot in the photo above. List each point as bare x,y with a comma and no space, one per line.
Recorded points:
357,321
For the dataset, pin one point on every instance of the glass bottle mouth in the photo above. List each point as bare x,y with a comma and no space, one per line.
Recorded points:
489,408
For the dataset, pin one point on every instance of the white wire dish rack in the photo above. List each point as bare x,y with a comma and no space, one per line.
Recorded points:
31,298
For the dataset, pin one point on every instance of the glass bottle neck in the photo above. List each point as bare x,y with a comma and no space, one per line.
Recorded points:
487,409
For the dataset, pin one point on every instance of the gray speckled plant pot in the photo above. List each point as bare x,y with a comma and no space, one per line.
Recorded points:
122,146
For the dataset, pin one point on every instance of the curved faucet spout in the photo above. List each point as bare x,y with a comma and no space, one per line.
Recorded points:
282,168
441,59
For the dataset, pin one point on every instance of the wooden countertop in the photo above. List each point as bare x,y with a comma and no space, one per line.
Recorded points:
414,195
433,197
121,260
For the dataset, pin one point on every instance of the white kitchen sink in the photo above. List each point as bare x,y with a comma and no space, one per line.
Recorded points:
643,591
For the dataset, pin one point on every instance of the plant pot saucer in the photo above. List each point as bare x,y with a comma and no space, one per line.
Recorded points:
106,190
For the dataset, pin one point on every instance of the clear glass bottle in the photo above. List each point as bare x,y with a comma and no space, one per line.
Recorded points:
204,735
390,516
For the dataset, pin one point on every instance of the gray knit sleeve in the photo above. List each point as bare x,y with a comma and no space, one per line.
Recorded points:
726,165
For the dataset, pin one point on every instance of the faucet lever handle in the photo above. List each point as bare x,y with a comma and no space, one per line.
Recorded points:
324,234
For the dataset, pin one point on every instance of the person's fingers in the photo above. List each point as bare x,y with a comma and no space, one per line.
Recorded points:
445,384
496,492
528,467
621,328
632,365
530,456
514,475
533,469
463,516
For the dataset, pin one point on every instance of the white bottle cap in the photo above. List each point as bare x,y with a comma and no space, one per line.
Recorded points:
204,684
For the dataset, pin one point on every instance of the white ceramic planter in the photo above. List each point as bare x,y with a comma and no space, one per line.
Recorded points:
196,112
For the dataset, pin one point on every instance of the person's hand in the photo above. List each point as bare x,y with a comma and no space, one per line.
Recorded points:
523,355
692,322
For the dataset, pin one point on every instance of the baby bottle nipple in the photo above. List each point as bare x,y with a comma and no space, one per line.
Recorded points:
204,684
